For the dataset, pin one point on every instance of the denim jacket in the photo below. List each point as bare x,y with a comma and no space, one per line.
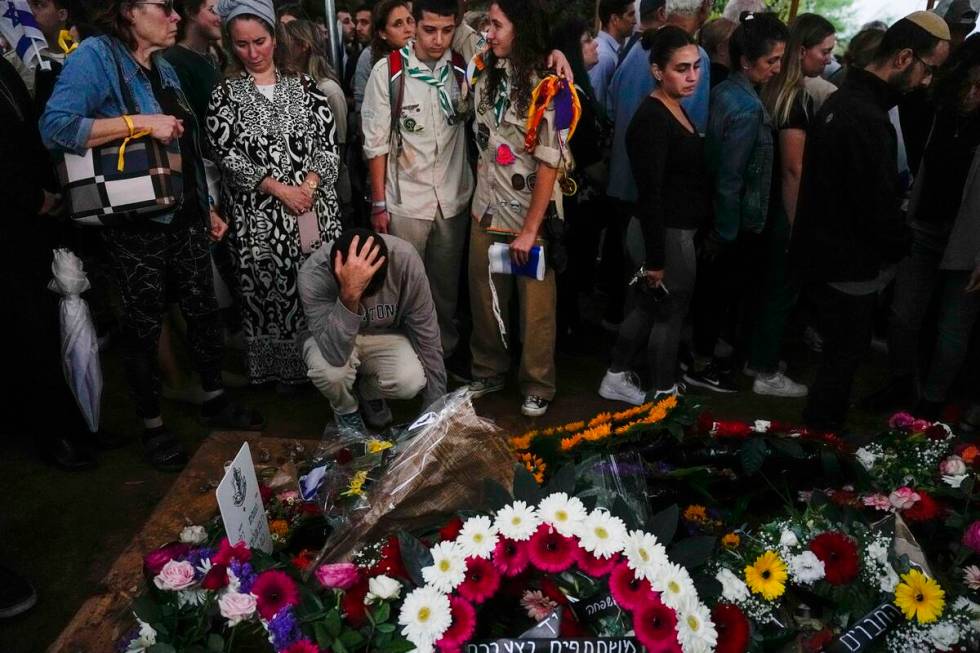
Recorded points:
740,157
89,88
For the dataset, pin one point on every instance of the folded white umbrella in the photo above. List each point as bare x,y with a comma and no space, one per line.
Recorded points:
79,343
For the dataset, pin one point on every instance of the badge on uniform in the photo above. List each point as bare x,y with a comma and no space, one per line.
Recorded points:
505,155
517,181
483,136
409,124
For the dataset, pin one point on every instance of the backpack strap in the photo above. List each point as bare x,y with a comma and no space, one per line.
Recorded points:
459,69
396,95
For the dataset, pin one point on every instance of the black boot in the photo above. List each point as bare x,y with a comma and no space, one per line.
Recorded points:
66,454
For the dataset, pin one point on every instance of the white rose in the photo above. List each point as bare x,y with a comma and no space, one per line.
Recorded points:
382,588
788,538
866,458
733,589
762,426
175,576
952,466
193,535
236,607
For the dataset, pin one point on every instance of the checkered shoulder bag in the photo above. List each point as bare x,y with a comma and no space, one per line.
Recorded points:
128,181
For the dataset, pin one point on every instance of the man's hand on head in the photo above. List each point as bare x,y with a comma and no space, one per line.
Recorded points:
354,275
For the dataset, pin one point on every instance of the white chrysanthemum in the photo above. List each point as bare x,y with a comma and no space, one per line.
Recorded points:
695,630
517,522
674,584
644,554
424,617
565,514
193,535
733,588
602,534
944,636
477,538
806,568
448,568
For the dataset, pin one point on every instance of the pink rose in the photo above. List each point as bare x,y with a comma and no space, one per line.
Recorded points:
903,498
901,421
971,536
920,426
341,576
952,466
288,496
878,502
154,561
175,576
505,155
236,607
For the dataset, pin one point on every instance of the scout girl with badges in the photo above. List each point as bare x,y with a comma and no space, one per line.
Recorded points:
523,121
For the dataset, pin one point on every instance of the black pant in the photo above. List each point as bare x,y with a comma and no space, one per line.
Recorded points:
845,322
583,226
721,285
145,264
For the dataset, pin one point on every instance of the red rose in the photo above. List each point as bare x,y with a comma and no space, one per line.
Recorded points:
937,432
925,509
266,492
216,578
451,530
818,641
352,604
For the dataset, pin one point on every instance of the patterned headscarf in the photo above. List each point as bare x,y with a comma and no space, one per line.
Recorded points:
229,9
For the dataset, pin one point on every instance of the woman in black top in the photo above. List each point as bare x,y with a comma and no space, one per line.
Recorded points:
584,209
674,202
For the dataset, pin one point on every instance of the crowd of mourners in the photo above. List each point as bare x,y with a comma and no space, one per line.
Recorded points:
472,179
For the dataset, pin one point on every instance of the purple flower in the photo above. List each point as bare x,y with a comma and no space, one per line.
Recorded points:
245,575
123,644
971,536
197,556
283,629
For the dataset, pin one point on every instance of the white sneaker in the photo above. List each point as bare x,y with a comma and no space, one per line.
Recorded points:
622,386
673,391
750,372
534,406
778,385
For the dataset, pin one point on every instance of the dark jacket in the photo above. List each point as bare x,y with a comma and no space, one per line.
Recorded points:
848,222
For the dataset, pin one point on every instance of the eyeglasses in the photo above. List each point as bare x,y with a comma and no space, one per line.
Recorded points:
167,6
931,69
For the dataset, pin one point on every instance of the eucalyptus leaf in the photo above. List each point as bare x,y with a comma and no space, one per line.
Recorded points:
415,555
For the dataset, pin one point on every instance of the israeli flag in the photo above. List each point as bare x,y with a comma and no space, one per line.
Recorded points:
18,26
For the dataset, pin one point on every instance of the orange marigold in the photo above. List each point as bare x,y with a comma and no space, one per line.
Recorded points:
601,418
630,413
279,527
695,513
573,427
731,540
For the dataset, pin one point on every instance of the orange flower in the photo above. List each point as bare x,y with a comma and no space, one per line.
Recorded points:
630,413
695,513
598,433
279,527
731,540
969,454
536,466
573,427
601,418
548,432
570,443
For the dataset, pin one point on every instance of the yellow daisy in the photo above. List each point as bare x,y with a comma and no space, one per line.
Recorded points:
920,597
767,576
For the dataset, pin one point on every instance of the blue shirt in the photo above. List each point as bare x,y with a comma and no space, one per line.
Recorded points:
602,72
631,84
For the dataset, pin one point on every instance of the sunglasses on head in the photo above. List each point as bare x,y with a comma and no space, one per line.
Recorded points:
166,5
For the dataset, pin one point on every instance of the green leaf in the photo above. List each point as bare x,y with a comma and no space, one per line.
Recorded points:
352,638
415,555
622,510
562,481
495,495
338,646
752,454
830,464
382,613
386,628
322,635
216,643
693,551
664,524
525,487
332,623
398,646
788,448
676,431
146,609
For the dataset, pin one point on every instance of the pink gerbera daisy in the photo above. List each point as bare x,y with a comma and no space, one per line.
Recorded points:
482,580
593,566
274,590
629,592
551,551
510,557
462,627
655,625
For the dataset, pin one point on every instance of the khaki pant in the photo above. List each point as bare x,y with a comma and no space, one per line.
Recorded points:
537,302
387,365
439,243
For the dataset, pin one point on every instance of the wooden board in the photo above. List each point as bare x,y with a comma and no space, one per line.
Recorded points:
105,617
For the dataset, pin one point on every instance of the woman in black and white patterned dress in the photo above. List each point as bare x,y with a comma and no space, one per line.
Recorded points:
273,136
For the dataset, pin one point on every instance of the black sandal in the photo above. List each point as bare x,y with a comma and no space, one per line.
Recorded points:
163,451
234,417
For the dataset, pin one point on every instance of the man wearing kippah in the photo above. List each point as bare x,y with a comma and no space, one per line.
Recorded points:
849,231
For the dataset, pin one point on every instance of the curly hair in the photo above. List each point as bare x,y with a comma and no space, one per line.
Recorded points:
528,53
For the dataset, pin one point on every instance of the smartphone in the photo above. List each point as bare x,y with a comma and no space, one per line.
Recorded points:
309,232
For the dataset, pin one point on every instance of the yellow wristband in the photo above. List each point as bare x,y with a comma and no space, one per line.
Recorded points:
129,123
